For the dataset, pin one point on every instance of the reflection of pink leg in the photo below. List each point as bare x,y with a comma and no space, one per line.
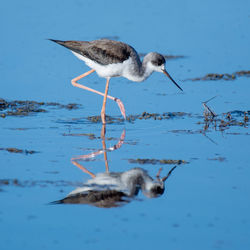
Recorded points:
76,84
121,141
121,106
104,151
105,155
158,174
83,168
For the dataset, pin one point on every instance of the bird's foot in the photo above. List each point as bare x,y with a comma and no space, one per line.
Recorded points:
121,107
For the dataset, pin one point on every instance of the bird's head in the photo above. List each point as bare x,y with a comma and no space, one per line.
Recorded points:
157,63
156,188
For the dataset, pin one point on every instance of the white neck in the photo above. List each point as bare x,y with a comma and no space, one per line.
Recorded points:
139,71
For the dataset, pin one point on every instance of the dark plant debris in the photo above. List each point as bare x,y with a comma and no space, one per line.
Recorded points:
220,123
90,136
220,159
109,37
208,112
143,116
109,119
156,116
167,57
225,76
185,131
236,133
156,161
39,183
210,119
25,108
224,121
19,151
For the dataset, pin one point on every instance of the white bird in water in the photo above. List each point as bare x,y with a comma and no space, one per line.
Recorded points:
114,189
112,59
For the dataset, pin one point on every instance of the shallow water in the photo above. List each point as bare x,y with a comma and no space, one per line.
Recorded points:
206,201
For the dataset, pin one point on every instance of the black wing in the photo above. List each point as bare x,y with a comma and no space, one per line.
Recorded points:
106,198
102,51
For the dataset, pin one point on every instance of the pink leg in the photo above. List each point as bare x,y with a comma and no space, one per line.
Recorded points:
118,101
103,113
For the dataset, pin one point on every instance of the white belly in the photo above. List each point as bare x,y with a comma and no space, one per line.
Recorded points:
112,70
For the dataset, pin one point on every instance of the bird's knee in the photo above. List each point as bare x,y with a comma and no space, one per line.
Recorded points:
103,117
73,82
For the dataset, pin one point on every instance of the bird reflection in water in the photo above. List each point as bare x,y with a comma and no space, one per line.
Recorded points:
113,189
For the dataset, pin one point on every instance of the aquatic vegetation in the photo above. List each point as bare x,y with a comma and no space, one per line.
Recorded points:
19,151
34,183
157,161
24,108
224,76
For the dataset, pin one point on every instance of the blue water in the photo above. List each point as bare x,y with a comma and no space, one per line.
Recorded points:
206,202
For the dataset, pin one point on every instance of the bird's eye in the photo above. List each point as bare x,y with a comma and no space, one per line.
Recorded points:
157,62
157,190
160,62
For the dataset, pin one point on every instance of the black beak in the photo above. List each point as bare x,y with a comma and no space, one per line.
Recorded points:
169,173
166,73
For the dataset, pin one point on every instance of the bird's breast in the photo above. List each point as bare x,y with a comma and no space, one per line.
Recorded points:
109,70
125,69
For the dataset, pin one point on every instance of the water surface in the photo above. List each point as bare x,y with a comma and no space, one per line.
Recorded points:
206,201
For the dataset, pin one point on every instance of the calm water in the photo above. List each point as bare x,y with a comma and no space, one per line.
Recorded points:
206,202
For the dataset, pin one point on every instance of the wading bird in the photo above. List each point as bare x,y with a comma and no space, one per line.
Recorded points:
112,59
